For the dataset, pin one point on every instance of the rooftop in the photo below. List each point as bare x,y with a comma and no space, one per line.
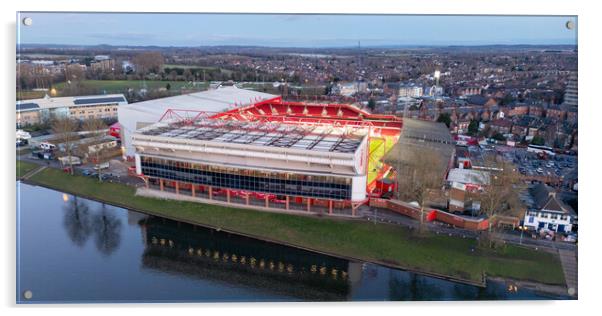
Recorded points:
321,138
216,100
468,176
50,103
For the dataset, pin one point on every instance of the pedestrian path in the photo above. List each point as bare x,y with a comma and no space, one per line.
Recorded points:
33,172
568,260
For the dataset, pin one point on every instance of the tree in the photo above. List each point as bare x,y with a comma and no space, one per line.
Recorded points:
538,140
473,128
64,129
501,196
444,118
168,86
507,99
420,171
372,104
148,62
498,136
96,127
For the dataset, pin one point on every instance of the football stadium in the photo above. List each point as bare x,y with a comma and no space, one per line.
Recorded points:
266,153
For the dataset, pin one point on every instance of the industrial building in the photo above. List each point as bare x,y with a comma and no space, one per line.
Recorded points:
36,111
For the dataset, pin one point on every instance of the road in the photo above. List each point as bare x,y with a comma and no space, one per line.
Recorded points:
387,216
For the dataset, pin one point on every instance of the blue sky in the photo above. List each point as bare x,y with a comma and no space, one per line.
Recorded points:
291,30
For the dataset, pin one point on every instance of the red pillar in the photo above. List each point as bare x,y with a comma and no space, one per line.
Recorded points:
287,202
267,203
146,182
308,204
330,207
247,198
210,193
161,184
192,189
228,196
177,187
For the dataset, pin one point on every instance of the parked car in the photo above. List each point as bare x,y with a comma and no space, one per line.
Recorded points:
47,155
104,165
22,142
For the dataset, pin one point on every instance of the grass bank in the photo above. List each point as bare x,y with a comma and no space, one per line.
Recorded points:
24,167
380,243
118,86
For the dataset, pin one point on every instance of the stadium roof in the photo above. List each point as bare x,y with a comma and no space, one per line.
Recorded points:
50,103
136,115
309,137
216,100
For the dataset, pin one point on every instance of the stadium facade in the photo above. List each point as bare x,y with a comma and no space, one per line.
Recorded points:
292,156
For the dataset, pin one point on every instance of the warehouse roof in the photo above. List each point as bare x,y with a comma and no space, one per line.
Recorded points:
50,103
469,176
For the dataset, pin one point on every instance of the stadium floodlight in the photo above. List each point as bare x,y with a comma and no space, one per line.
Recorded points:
437,76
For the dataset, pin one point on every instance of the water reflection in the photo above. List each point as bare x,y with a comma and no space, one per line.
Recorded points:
192,251
81,223
412,287
107,229
77,220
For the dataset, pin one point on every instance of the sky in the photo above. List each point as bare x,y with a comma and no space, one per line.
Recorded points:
142,29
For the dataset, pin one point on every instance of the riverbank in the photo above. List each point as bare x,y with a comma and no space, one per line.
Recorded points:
390,245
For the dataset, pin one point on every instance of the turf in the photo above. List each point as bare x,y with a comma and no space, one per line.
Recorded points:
119,86
23,167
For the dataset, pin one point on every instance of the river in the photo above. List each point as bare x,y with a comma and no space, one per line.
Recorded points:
70,249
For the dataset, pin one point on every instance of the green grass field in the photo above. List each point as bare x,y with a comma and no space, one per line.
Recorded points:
120,85
29,94
24,167
362,240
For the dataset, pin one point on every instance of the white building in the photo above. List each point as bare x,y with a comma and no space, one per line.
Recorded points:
411,91
548,212
141,114
36,111
472,179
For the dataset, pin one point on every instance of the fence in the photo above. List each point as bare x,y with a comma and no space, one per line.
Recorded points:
412,211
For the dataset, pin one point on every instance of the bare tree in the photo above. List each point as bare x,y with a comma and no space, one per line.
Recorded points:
501,196
100,155
74,76
148,62
94,126
420,172
64,129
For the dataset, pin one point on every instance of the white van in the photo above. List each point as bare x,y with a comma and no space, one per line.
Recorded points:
47,146
104,165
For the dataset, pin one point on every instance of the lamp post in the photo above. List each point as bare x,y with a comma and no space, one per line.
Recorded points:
522,229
